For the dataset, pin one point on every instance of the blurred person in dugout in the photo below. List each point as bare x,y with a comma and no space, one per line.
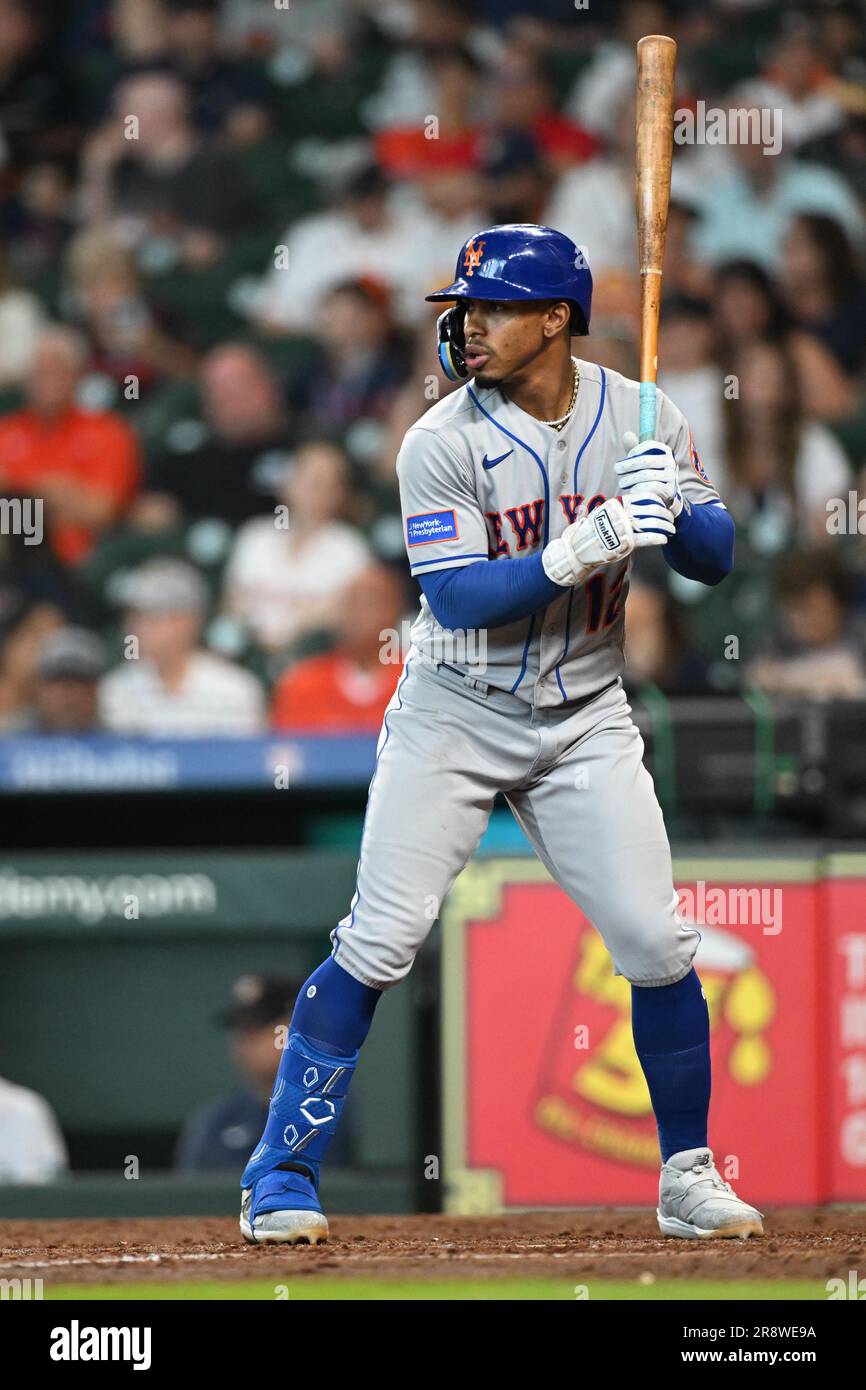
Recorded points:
168,684
83,464
817,648
287,571
219,1135
32,1149
347,690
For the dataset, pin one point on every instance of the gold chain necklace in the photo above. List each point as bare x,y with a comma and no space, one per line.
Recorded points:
563,419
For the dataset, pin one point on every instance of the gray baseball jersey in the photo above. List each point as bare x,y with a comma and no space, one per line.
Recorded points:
480,479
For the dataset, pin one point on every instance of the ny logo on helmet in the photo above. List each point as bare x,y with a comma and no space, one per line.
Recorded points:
472,258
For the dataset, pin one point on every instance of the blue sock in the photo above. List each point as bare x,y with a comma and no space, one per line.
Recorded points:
671,1029
334,1010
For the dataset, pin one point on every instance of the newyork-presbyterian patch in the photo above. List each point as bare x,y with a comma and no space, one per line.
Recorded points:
426,527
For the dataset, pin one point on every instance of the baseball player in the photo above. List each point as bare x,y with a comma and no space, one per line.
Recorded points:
524,497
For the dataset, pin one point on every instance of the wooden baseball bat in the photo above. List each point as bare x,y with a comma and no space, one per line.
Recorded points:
656,63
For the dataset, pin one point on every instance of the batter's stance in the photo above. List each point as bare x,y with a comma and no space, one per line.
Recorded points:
510,490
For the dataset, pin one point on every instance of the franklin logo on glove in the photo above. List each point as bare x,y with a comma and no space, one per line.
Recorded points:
606,531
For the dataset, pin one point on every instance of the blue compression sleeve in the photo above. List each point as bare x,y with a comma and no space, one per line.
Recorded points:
489,594
703,547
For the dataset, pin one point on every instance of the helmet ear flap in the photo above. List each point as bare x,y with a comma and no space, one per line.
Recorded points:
452,342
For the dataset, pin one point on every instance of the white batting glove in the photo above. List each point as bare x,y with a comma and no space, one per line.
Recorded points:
650,462
651,518
599,537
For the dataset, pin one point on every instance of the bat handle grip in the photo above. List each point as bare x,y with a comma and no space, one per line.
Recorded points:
647,411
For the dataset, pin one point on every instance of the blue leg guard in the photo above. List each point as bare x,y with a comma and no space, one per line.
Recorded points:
305,1107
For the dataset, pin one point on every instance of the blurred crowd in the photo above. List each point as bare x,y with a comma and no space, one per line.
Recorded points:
218,220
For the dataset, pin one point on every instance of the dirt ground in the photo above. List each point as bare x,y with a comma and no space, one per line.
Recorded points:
798,1244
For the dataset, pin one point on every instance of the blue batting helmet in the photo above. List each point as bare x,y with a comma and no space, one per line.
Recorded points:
518,260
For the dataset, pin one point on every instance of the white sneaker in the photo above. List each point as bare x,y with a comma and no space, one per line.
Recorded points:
696,1202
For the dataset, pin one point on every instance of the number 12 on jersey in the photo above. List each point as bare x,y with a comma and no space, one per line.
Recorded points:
602,599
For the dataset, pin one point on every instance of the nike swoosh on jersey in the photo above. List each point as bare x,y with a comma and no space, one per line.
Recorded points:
491,463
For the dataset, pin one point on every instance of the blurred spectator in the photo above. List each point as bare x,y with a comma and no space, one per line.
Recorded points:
347,690
824,289
594,202
362,365
613,343
287,571
748,307
227,92
36,217
220,1134
37,112
409,89
798,82
409,151
239,452
70,664
523,101
844,149
368,233
607,79
684,273
228,95
166,185
30,575
818,649
19,660
691,374
169,685
317,27
516,181
21,317
83,464
32,1149
107,298
747,199
779,470
658,651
